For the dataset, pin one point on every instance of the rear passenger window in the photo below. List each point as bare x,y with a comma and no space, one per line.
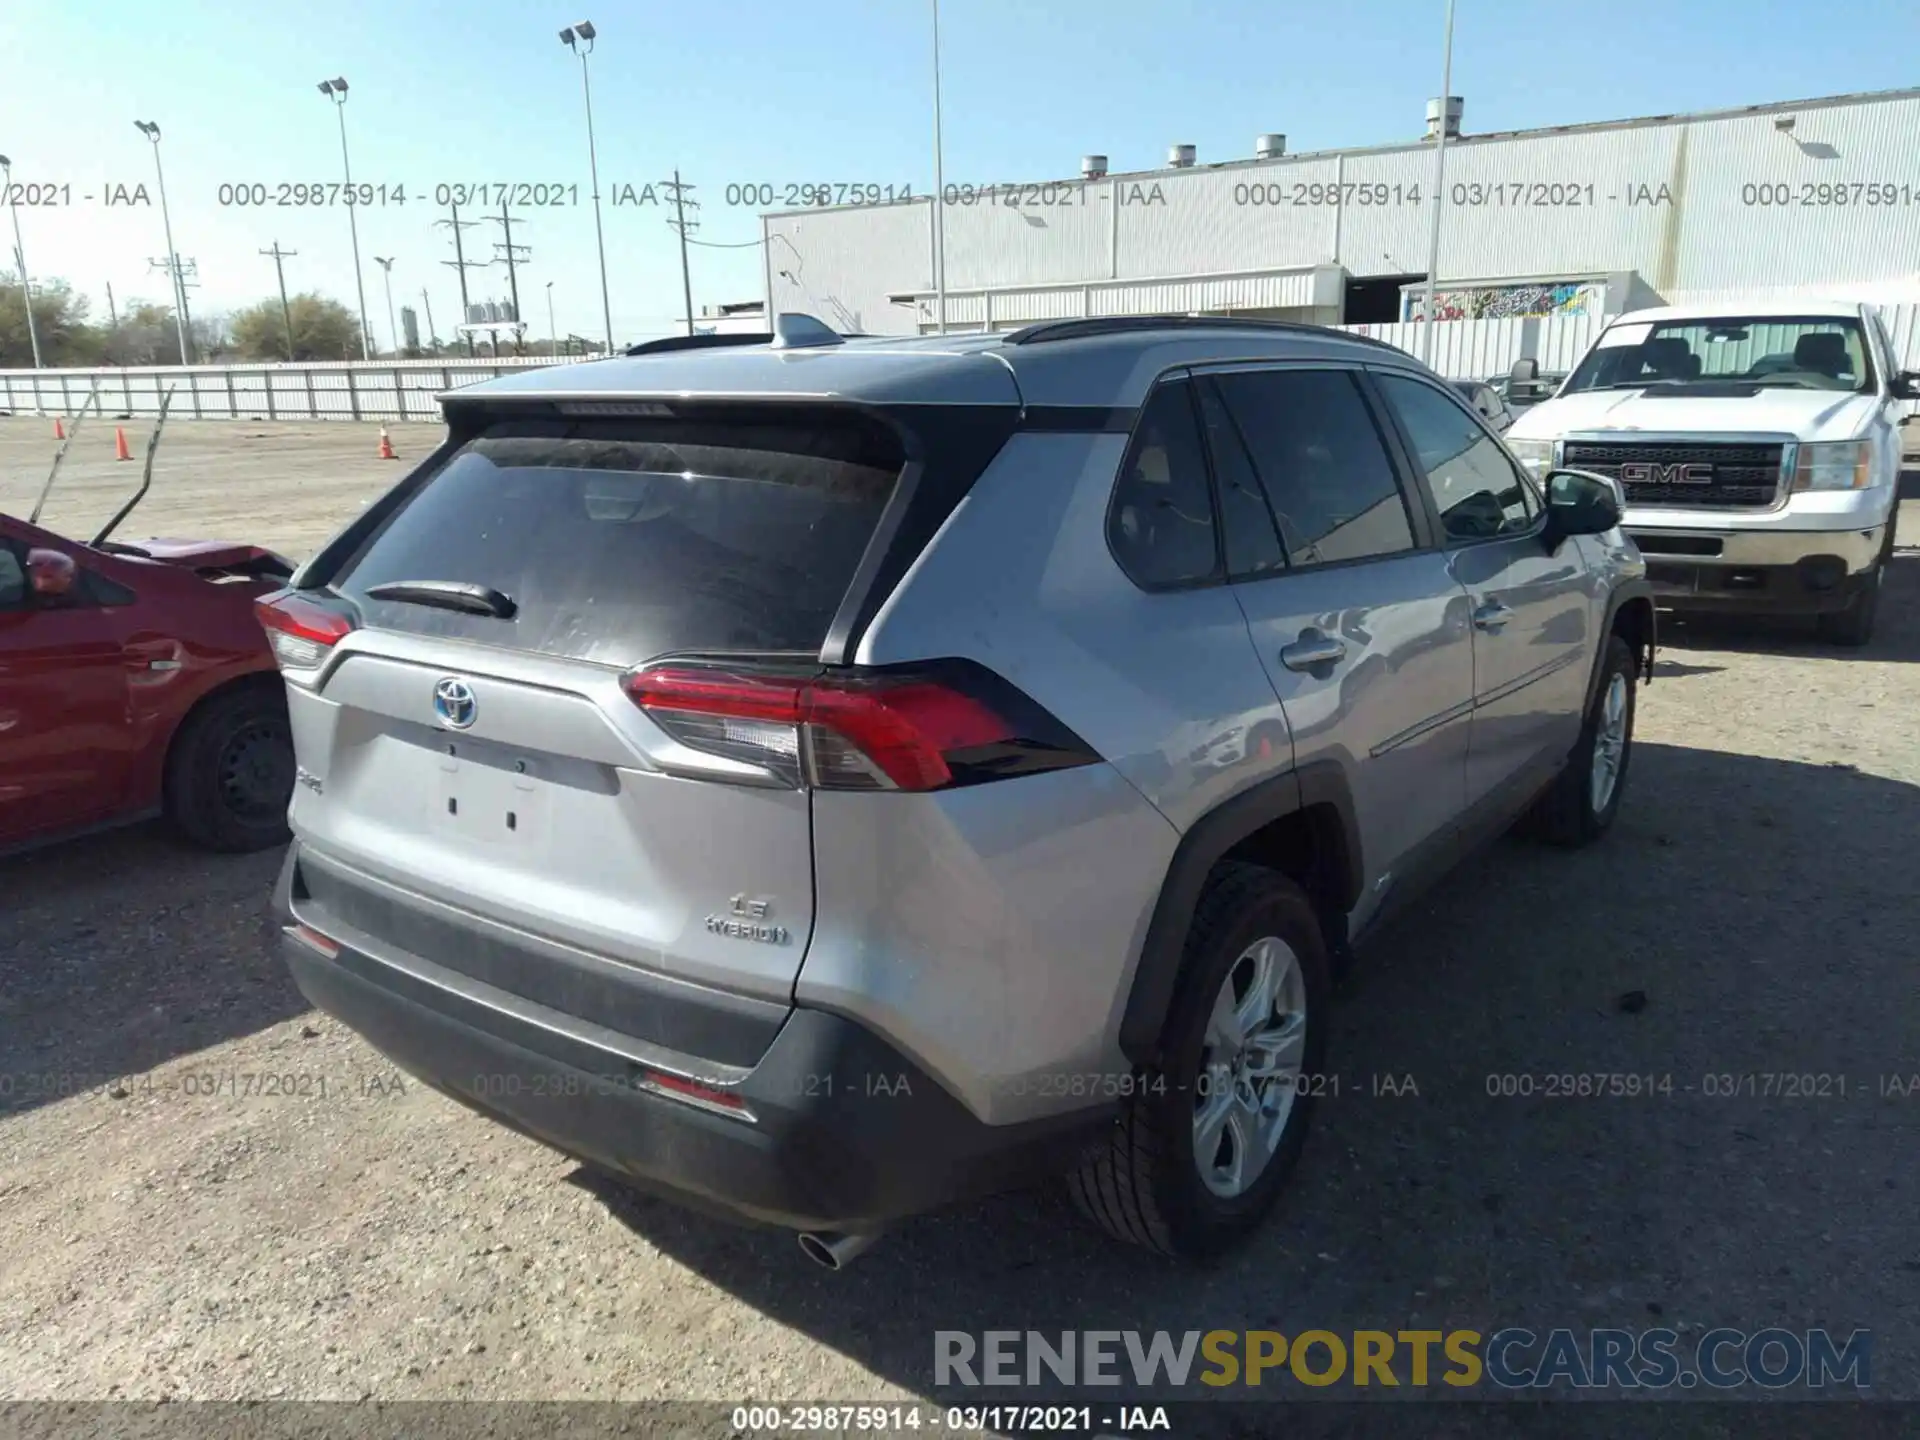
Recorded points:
1479,491
1161,522
1321,462
1252,533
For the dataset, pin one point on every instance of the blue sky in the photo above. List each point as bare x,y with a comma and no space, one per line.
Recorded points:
751,90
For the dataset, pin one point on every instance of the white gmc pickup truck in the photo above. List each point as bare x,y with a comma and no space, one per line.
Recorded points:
1757,448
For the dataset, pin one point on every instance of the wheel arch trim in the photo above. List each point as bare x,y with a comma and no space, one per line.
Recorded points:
1627,592
1156,978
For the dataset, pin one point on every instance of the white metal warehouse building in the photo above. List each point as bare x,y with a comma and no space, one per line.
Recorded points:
1561,226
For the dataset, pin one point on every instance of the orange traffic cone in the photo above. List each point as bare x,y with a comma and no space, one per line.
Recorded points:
120,450
59,428
386,446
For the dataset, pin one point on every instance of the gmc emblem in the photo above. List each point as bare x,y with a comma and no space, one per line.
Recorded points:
1639,472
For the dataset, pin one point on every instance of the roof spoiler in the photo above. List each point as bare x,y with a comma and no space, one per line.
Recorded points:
700,342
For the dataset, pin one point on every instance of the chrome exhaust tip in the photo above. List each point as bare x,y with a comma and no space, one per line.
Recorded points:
835,1252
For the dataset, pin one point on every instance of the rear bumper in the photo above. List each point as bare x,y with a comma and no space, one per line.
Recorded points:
1786,571
846,1133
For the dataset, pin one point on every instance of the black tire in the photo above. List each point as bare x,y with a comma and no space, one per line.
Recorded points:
1565,814
1853,626
1142,1184
230,770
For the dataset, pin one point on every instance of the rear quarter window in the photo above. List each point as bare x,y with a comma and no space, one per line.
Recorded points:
619,541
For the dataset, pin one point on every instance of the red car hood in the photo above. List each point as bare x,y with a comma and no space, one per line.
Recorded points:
198,554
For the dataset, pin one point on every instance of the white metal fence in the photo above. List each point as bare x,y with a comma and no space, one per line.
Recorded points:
390,390
406,389
1477,349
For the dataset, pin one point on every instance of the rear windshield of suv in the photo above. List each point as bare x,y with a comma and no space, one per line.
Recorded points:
1784,352
622,540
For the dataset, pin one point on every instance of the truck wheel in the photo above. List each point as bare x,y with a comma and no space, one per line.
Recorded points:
1581,804
1201,1151
230,771
1853,626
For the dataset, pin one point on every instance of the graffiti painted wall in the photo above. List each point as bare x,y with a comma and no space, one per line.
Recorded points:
1505,302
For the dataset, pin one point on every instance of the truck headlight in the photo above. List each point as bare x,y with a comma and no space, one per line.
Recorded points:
1536,455
1833,465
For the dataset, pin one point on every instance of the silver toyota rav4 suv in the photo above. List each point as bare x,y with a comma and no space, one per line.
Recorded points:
830,777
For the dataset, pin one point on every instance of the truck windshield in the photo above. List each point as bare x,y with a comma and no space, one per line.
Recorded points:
1814,353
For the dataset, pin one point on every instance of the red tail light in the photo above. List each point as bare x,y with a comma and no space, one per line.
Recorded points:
921,728
300,630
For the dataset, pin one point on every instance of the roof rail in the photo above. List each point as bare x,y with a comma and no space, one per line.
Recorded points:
1050,330
699,342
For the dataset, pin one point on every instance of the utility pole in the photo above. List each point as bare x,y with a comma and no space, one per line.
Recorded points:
511,255
681,223
461,265
280,270
179,270
113,315
433,337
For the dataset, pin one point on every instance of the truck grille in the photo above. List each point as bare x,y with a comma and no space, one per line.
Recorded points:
1706,475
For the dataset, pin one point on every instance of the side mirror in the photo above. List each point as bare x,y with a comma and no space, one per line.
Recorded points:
1524,372
51,572
1905,385
1579,503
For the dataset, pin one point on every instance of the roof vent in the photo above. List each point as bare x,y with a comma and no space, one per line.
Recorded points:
1181,157
1093,167
1270,147
1454,107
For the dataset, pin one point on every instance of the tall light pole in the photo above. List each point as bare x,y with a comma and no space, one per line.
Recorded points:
939,188
180,321
1439,184
553,335
385,262
336,91
20,259
571,37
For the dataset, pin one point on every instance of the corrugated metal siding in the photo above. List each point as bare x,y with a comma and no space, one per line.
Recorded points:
1205,221
1510,215
1062,233
845,263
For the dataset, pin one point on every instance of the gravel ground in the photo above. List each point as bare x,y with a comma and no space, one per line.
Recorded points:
169,1231
287,486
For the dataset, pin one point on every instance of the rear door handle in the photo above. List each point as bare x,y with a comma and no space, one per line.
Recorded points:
1313,649
1491,615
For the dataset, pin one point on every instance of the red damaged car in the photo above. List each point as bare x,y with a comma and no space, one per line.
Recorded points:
135,681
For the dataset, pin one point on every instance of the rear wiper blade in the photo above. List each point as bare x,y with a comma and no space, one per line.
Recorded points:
447,595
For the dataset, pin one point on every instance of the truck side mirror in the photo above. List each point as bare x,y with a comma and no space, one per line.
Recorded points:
1579,503
50,572
1523,381
1905,385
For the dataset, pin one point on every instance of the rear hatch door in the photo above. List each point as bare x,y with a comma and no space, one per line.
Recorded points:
490,766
